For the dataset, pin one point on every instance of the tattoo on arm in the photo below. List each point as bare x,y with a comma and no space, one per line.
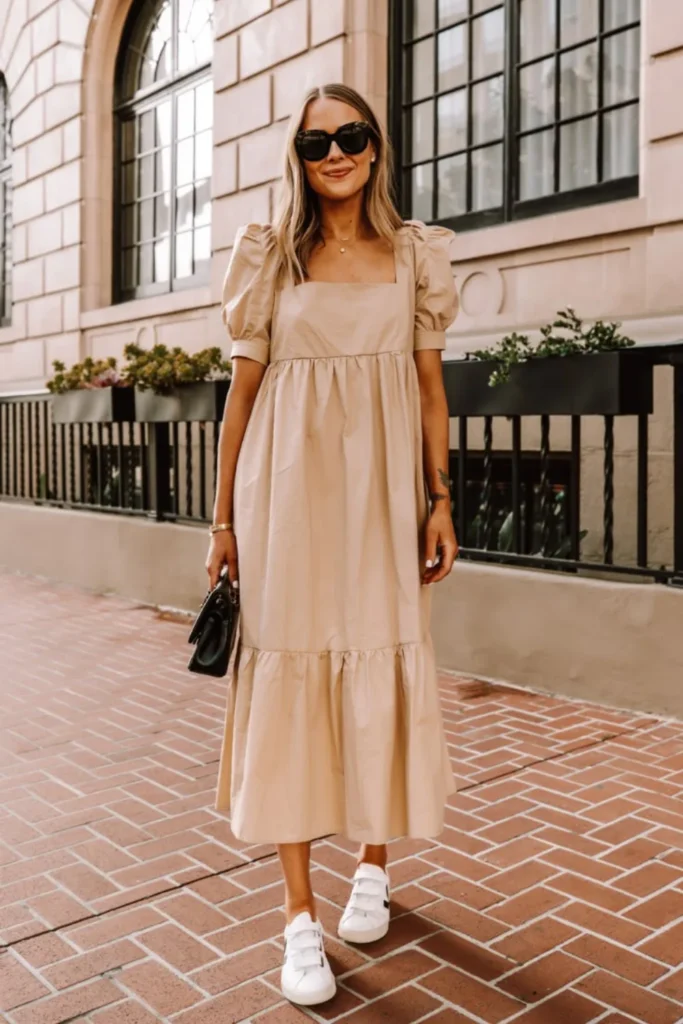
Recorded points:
437,497
443,477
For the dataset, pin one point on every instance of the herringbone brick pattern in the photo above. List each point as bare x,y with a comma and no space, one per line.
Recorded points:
554,896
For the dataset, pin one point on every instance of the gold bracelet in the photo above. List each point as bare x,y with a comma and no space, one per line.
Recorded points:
219,527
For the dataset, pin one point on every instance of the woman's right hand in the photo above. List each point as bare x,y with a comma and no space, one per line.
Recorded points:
222,551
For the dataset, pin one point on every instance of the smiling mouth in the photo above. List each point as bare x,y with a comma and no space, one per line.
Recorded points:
339,173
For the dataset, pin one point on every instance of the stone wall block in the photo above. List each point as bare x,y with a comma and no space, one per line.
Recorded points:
45,153
242,109
62,103
45,234
63,186
274,38
261,155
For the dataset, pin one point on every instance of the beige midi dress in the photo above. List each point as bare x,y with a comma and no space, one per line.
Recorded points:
333,720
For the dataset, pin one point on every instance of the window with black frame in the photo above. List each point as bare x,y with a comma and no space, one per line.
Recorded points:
5,207
504,109
164,135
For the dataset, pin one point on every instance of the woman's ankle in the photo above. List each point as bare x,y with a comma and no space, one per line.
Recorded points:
295,907
376,855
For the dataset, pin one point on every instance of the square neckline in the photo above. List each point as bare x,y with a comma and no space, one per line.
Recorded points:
362,284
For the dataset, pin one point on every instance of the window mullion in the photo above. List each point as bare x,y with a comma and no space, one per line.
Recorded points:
173,201
469,28
558,66
510,112
435,118
601,89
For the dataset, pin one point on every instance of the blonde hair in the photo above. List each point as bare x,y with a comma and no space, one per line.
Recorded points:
297,224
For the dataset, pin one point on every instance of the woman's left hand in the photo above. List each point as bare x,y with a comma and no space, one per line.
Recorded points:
441,546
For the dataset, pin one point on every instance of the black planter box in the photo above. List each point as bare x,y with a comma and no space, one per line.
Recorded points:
602,384
187,403
94,405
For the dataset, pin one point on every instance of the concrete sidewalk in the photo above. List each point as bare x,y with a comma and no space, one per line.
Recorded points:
555,895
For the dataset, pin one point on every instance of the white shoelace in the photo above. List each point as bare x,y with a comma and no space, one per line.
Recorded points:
304,949
369,900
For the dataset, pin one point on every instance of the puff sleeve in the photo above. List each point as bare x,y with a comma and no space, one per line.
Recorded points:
436,300
249,292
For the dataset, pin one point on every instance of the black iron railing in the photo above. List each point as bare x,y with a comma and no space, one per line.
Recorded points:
166,471
533,492
525,506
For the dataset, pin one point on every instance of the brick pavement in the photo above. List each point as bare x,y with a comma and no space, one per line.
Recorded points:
554,895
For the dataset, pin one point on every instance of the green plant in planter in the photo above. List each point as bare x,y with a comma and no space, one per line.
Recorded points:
565,336
161,369
91,373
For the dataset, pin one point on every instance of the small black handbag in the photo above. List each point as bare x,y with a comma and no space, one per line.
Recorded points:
215,629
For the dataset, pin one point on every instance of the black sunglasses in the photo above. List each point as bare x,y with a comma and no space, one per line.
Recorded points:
352,139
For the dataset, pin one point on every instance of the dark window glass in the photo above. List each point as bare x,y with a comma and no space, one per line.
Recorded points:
5,207
165,121
506,108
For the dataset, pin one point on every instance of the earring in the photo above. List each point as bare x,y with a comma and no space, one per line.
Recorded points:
372,159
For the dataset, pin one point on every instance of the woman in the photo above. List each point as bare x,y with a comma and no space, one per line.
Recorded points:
335,421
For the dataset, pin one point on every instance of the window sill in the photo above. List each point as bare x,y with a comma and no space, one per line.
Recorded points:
552,229
142,309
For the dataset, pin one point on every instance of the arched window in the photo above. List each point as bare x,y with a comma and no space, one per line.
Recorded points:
164,120
5,207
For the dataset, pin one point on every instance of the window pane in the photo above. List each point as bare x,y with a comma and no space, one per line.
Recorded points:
202,245
184,207
146,175
578,20
620,143
128,225
162,214
537,28
146,210
423,17
578,154
579,81
451,11
422,192
203,155
161,260
452,186
536,155
146,264
452,113
202,203
163,169
128,181
195,33
483,5
163,124
488,41
622,67
127,140
422,141
452,58
621,12
185,114
487,111
487,178
421,57
185,162
204,106
146,132
129,269
537,94
183,255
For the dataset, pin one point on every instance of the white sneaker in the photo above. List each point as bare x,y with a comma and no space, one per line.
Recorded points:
366,917
307,977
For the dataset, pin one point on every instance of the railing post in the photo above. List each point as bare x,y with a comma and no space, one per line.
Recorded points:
159,469
678,474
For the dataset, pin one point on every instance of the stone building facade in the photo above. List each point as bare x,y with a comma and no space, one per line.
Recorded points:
58,60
